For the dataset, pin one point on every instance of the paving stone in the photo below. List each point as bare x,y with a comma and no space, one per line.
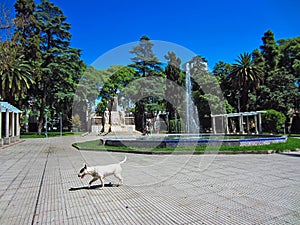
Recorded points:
36,175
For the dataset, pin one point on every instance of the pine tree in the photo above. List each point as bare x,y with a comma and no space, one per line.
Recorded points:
145,61
61,65
27,32
146,64
270,51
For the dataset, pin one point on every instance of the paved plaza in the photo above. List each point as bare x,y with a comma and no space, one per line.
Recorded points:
37,174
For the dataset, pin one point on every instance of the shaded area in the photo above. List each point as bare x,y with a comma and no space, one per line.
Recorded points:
92,187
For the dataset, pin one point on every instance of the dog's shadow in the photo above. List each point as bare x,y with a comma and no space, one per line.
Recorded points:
92,187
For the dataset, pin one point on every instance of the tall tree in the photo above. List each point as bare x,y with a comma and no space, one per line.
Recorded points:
145,61
117,79
174,86
221,72
290,55
207,94
146,64
281,70
27,31
27,35
270,52
283,95
61,65
245,77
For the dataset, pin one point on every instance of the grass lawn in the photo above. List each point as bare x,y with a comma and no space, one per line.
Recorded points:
292,144
50,134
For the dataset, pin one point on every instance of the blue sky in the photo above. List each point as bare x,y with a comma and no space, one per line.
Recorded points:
217,30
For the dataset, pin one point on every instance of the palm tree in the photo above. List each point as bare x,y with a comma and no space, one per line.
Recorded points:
15,73
244,77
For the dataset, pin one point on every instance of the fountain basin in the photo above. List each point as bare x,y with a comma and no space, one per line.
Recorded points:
190,140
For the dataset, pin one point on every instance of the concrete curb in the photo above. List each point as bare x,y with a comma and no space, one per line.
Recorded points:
179,152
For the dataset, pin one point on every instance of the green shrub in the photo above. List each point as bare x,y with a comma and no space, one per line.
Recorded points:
273,121
174,127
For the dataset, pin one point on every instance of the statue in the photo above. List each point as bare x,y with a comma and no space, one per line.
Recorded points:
122,117
106,116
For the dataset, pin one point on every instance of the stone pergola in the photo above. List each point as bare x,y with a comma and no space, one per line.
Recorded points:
9,123
256,115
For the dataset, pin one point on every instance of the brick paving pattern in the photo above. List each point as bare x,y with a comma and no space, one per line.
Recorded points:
36,177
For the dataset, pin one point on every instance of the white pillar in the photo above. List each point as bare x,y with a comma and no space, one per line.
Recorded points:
255,122
7,123
12,132
214,124
226,125
259,123
17,125
241,124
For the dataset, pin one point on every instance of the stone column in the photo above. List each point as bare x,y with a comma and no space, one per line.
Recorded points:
226,125
6,138
213,124
12,132
17,125
255,121
241,124
259,123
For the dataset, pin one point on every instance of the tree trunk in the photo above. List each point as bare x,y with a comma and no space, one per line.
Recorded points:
244,101
42,110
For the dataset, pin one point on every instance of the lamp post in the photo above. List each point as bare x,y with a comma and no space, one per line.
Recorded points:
60,123
46,123
87,115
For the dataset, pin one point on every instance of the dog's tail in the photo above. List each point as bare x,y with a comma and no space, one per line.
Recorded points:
124,160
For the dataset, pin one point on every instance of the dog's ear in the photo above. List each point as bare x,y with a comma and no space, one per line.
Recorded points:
84,166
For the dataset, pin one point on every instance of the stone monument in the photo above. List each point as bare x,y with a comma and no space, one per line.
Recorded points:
114,118
117,117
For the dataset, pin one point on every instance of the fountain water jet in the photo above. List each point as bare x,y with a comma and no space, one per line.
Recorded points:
192,121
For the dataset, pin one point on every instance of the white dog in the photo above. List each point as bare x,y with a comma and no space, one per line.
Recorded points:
100,172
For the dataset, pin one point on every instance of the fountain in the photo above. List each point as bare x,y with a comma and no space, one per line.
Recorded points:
191,138
191,112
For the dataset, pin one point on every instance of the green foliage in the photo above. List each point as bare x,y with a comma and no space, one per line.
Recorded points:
176,126
174,86
280,73
207,94
146,64
101,107
56,67
49,134
117,77
15,72
38,66
269,50
273,121
145,61
75,121
245,77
